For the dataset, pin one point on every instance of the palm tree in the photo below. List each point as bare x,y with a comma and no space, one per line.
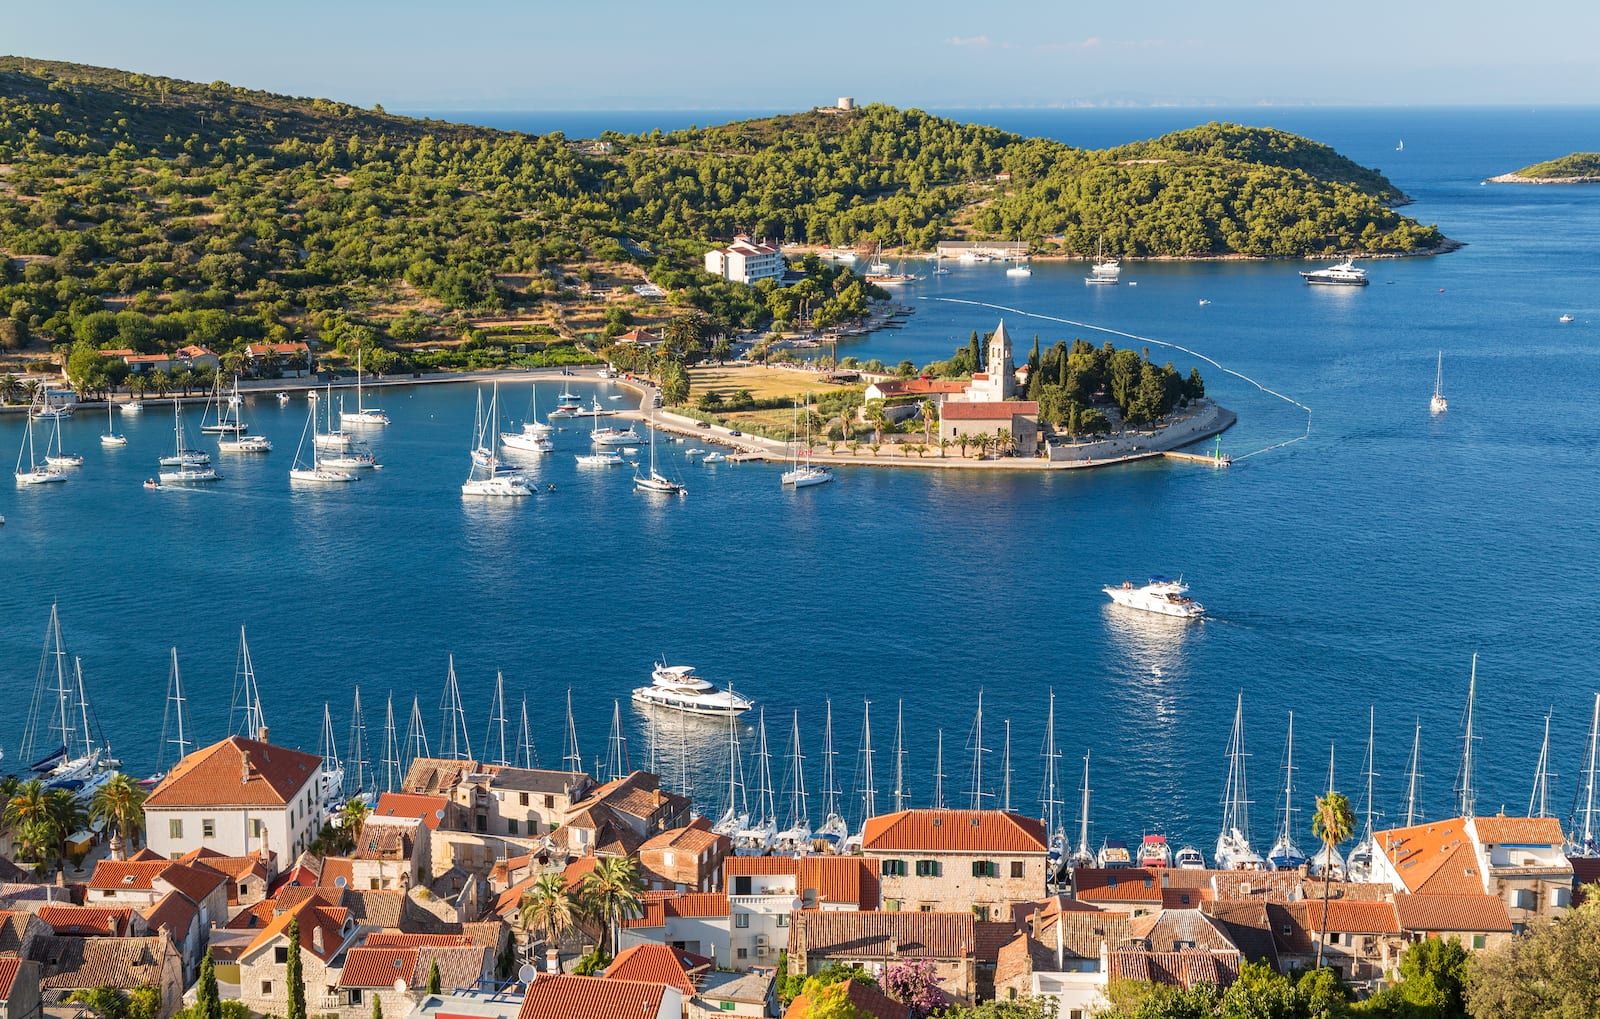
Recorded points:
353,815
120,805
28,803
928,410
67,817
611,891
944,445
550,909
877,417
1332,823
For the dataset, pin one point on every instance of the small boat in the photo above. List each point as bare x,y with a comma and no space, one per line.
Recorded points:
715,458
802,473
133,407
680,688
696,451
1154,852
184,469
1189,858
1105,272
111,439
655,481
350,461
630,450
614,436
1344,274
362,416
152,484
1401,147
314,473
54,455
1160,595
1020,270
608,458
1564,319
1438,405
283,399
1113,855
186,458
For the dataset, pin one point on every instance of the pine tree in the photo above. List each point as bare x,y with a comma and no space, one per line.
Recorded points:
293,976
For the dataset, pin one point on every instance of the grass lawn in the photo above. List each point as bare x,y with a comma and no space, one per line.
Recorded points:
763,382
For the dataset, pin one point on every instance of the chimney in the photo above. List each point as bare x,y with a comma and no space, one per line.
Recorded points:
262,735
316,939
247,768
1061,945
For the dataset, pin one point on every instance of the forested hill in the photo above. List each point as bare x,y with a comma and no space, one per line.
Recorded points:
225,214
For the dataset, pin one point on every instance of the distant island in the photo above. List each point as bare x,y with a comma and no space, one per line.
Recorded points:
1577,168
142,214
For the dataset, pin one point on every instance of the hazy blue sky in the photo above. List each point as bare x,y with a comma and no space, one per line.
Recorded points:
634,55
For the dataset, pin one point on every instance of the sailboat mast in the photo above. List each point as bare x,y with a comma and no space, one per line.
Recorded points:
175,704
869,792
1413,780
1083,816
1050,803
900,756
83,703
1005,771
392,775
356,753
764,796
63,692
938,774
1588,846
416,734
571,756
975,775
495,737
1286,833
455,741
1372,714
617,764
1468,795
1537,800
527,756
797,794
830,791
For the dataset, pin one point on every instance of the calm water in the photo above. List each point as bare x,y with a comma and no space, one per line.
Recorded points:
1360,567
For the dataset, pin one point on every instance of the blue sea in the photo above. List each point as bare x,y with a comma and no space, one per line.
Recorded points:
1361,567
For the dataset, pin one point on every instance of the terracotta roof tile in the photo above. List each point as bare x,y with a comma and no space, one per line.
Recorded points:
68,963
657,964
1248,926
217,776
764,866
1173,930
697,904
87,921
314,916
173,911
430,810
1175,969
838,880
952,410
690,839
953,831
370,966
1435,858
1452,913
559,996
8,975
124,875
853,935
1519,831
400,939
194,880
1351,916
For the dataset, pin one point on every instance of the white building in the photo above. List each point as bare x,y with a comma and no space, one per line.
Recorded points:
746,261
764,892
998,381
237,797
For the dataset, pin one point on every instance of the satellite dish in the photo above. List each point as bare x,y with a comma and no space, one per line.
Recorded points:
527,973
399,985
439,814
340,882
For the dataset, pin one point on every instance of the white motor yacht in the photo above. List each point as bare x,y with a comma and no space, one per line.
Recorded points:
614,436
1189,858
133,407
1166,597
608,458
532,439
1344,274
679,687
715,458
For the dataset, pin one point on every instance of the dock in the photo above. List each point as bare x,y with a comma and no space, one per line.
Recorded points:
1209,459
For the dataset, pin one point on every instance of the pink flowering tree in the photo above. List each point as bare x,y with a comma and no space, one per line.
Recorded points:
914,984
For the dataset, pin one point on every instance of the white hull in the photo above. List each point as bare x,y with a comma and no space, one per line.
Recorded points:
185,460
689,704
111,440
527,443
133,407
253,444
599,459
501,487
64,460
189,476
320,476
332,440
1019,270
224,428
1160,598
40,476
363,462
805,477
364,418
656,483
1438,405
1101,281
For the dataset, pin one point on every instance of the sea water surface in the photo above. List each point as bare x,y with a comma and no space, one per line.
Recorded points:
1358,568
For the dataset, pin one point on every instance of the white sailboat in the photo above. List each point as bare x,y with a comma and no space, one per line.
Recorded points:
757,836
227,409
655,481
185,467
1285,854
535,434
1583,840
37,472
1233,842
1361,864
172,721
363,416
330,778
486,477
1438,405
834,828
736,816
333,438
316,472
1083,856
1050,797
235,440
112,438
796,838
807,474
54,455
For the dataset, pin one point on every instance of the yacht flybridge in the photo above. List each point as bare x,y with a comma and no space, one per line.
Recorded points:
680,688
1160,595
1344,274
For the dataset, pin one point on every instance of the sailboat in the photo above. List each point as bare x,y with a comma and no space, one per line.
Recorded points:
333,438
1401,147
1233,842
1285,854
362,416
1328,861
358,771
112,438
755,837
316,472
1106,271
878,265
834,828
246,694
172,720
806,474
736,817
220,416
38,472
185,467
238,441
68,754
54,455
330,778
1438,405
655,481
1083,856
535,434
1050,798
796,838
1361,864
1023,268
601,457
869,788
486,477
1583,838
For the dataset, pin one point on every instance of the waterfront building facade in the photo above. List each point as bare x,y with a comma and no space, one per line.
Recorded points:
746,261
238,798
980,861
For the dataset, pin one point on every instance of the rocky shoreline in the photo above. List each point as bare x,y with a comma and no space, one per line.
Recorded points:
1517,178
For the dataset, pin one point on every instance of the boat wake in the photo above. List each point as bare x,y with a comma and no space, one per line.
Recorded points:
1160,343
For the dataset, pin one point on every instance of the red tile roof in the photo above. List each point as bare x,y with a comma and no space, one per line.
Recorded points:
657,964
1452,913
559,996
953,831
692,839
400,939
429,809
8,975
1519,831
1351,916
125,875
377,967
697,904
764,866
1434,859
314,916
175,912
87,921
235,772
838,880
654,913
910,387
952,410
852,935
1176,969
195,881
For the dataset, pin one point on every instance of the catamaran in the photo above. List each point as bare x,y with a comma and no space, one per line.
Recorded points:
316,472
655,481
38,471
804,475
488,478
1438,405
112,438
680,688
184,467
1233,842
1285,854
362,416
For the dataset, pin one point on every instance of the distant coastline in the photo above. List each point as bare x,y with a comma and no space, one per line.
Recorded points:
1573,168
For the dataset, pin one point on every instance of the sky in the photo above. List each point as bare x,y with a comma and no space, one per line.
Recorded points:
709,54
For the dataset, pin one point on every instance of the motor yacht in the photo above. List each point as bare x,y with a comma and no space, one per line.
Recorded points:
532,439
1113,855
1160,595
1189,858
1154,852
1345,274
607,458
680,688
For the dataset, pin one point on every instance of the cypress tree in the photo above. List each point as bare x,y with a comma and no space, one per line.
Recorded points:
292,974
207,1000
433,977
377,1006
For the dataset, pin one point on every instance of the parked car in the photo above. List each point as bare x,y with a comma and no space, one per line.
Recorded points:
702,424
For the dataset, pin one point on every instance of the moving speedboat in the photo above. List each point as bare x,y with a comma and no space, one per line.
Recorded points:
678,687
1162,596
1345,274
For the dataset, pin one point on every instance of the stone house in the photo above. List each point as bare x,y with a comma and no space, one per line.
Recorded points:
687,859
68,964
391,854
1364,939
985,861
1479,922
373,972
19,988
326,933
871,941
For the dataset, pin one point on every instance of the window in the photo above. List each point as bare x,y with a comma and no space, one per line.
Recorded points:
1478,942
981,913
258,827
355,995
373,885
208,828
741,920
1526,898
985,868
893,868
1333,938
511,826
891,905
522,799
482,821
266,988
926,907
666,858
549,803
1018,868
726,1006
280,955
929,868
744,953
175,828
741,885
783,919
